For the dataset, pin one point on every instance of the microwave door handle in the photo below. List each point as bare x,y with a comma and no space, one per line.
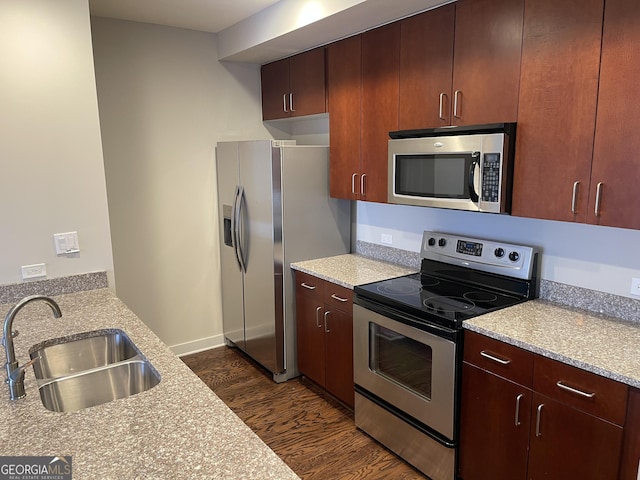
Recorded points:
473,195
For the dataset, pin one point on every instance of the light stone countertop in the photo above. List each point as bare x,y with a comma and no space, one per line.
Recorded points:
349,270
597,343
177,429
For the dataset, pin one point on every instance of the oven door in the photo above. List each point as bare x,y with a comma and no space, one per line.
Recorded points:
411,369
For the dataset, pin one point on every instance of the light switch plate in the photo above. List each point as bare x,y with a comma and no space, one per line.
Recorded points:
635,286
66,243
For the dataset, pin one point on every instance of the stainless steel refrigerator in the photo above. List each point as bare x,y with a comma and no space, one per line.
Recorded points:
274,209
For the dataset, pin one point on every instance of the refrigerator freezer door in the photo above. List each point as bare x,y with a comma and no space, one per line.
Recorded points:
260,238
232,297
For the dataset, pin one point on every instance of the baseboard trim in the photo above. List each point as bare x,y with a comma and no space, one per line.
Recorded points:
196,346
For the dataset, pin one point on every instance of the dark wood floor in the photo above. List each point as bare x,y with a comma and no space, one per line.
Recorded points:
311,432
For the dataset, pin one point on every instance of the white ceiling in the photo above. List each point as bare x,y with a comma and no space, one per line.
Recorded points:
205,15
261,31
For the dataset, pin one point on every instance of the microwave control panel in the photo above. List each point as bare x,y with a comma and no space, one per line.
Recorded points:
491,177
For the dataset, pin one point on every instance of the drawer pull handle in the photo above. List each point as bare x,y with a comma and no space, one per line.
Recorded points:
574,390
310,287
495,359
317,317
518,398
538,417
326,322
340,299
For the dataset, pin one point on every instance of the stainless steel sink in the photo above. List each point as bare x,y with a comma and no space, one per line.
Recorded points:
98,348
90,369
98,386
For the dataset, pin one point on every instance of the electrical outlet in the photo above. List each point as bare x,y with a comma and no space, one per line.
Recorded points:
36,270
635,286
386,238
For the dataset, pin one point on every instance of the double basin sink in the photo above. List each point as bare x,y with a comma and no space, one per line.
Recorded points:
90,369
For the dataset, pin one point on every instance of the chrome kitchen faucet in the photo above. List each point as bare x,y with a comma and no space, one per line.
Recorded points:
15,373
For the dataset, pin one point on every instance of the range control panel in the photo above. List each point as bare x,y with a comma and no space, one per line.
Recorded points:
479,254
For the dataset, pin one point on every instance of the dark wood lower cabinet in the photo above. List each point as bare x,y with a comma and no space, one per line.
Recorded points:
325,335
311,345
575,430
630,468
567,443
494,427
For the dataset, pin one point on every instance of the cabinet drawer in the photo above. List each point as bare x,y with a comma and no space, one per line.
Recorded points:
497,357
309,285
586,391
338,297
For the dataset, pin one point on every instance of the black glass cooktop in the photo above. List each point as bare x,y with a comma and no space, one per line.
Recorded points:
436,299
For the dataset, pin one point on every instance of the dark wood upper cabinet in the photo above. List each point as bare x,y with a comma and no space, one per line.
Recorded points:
426,66
380,93
343,91
294,86
615,174
460,64
486,70
557,109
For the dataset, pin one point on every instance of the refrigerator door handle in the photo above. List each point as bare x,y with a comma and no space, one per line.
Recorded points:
234,226
239,232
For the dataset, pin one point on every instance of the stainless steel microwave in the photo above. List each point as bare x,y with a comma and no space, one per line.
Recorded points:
464,168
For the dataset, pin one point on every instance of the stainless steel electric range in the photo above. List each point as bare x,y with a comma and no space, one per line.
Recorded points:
408,342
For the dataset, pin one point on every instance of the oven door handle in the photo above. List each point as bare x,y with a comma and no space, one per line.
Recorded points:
473,195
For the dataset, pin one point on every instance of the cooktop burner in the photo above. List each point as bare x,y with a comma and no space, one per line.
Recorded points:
441,300
459,279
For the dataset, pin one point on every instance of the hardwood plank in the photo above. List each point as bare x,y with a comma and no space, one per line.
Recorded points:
312,432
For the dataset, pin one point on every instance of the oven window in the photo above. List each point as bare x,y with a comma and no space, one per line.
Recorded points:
401,359
439,176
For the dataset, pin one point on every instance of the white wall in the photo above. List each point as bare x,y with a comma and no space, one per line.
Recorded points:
598,258
164,102
52,178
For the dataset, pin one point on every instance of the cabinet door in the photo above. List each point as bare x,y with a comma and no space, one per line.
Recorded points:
343,89
339,355
307,83
567,443
630,469
616,164
494,427
557,108
380,62
310,331
486,70
275,89
426,63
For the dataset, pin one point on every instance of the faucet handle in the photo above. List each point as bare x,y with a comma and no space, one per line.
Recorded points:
19,371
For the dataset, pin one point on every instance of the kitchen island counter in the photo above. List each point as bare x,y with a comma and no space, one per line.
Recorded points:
597,343
177,429
351,269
